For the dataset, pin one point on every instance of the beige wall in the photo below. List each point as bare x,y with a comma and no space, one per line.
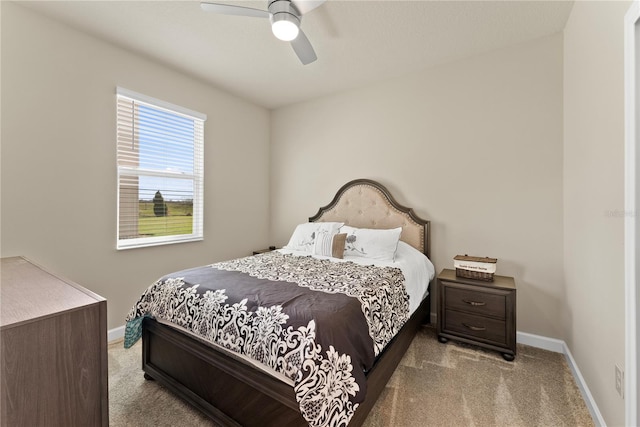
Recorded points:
594,192
475,146
58,160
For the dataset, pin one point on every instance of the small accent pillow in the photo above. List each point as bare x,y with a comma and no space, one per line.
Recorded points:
329,245
371,243
304,236
337,248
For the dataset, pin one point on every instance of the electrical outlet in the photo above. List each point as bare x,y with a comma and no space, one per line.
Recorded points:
620,381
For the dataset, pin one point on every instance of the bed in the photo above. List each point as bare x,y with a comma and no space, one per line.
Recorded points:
222,380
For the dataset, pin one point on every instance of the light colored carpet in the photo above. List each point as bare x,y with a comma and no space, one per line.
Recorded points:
435,385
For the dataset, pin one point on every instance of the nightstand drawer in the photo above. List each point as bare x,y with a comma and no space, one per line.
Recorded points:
474,301
480,327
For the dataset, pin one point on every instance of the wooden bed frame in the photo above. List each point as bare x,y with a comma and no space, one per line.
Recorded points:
233,393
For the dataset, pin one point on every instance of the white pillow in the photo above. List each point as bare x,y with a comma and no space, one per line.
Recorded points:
304,236
371,243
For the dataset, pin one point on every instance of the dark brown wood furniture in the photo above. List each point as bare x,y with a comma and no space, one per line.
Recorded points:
478,312
54,350
233,393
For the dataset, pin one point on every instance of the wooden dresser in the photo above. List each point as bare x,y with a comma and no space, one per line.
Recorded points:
54,350
478,312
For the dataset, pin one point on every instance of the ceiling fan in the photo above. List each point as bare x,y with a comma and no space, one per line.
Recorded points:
285,17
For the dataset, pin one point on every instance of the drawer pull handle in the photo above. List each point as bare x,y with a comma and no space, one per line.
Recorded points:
474,328
474,303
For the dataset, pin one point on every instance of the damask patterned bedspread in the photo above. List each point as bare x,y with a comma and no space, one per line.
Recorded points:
320,323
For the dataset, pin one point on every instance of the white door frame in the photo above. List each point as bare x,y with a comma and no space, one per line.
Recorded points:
632,215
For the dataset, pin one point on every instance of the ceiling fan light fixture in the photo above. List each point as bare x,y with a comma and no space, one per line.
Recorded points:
285,17
285,26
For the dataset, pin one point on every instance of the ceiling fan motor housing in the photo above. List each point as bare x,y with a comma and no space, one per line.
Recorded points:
284,10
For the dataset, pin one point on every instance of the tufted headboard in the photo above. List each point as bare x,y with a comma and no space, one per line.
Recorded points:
365,203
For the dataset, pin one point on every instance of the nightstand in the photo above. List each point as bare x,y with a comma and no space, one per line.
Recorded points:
478,312
262,251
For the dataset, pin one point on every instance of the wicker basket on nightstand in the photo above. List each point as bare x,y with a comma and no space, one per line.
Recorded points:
473,267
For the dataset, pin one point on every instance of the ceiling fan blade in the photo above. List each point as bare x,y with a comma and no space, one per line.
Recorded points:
306,6
303,49
227,9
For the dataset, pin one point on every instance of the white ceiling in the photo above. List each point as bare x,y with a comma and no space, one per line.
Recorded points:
358,42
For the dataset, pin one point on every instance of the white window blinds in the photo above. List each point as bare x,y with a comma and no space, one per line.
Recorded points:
160,171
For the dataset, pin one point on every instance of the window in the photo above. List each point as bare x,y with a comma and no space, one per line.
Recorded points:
160,172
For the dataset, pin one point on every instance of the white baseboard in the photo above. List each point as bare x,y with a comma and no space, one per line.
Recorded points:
537,341
584,389
559,346
115,333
